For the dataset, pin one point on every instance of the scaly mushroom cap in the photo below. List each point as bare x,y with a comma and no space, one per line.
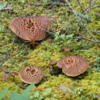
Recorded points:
73,65
31,74
30,28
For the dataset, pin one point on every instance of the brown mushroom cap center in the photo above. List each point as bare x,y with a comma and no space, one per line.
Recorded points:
73,65
30,71
69,61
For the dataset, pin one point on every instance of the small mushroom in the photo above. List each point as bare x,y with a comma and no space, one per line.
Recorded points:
31,28
31,74
54,70
73,65
67,49
52,62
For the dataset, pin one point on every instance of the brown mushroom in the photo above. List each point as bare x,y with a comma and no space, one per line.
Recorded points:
31,28
31,74
52,62
73,65
67,49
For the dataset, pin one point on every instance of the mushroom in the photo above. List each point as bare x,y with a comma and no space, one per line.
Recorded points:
73,65
31,74
31,28
52,62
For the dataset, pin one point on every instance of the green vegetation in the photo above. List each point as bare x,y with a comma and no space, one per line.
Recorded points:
67,31
27,95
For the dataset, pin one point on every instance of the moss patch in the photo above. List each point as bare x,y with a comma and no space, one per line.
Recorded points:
16,53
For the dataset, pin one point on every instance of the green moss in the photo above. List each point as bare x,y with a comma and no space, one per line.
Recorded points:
43,54
11,82
16,54
84,87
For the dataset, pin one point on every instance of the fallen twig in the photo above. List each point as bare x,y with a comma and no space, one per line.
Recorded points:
80,21
92,4
83,37
95,6
7,8
80,6
52,3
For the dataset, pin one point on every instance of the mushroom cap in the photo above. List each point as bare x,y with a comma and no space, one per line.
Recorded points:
30,28
73,65
52,62
31,74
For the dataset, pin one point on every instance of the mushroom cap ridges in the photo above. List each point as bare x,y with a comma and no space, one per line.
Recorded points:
31,74
30,28
73,65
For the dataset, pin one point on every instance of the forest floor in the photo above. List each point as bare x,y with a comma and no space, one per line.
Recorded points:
16,53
